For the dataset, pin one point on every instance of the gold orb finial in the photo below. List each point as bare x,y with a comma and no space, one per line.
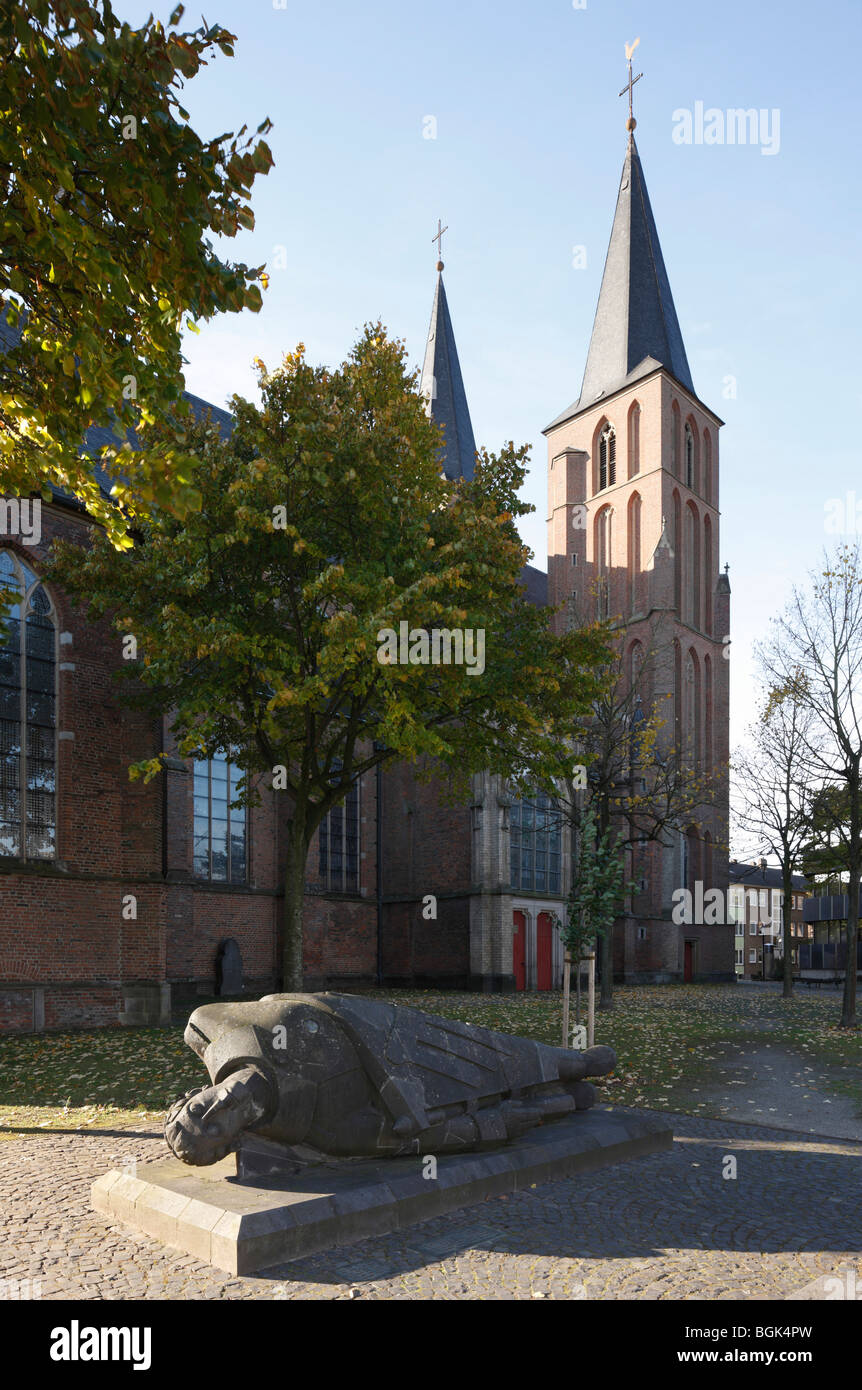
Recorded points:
631,123
439,265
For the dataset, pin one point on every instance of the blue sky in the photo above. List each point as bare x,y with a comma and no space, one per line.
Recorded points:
761,249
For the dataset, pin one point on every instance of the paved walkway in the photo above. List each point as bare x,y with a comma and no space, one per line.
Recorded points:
670,1226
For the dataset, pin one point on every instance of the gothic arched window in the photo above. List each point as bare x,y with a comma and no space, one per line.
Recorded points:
634,440
602,541
28,715
692,709
689,456
675,440
691,595
607,457
634,556
708,577
707,466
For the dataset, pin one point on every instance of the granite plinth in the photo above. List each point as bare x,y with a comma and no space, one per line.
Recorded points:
242,1224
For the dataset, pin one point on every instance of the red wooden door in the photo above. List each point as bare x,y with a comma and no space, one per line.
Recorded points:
689,961
544,951
519,950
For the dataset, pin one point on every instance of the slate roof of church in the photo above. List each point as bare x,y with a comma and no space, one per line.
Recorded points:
636,329
535,585
443,388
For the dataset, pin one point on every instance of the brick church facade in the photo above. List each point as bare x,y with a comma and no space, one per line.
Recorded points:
116,897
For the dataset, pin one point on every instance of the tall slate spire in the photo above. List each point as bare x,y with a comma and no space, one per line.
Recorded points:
444,391
635,318
636,328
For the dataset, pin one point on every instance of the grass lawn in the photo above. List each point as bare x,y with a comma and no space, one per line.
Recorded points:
665,1036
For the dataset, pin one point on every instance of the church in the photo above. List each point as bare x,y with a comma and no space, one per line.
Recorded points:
117,899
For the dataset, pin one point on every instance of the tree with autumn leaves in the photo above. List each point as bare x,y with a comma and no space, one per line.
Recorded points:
324,522
110,204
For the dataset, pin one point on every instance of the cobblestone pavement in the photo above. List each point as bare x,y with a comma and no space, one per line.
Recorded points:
670,1226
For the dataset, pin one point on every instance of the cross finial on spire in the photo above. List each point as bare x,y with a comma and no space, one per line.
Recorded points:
630,48
439,240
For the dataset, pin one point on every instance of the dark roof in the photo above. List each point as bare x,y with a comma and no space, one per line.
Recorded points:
444,391
535,586
636,329
752,875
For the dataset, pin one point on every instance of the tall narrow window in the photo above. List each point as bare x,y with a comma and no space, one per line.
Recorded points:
675,440
220,827
534,843
707,713
691,607
689,456
707,466
607,457
708,577
634,555
338,845
677,553
28,716
634,440
602,541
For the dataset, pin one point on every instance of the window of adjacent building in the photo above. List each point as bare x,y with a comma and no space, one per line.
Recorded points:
607,457
535,845
28,716
752,957
752,929
740,956
338,845
219,826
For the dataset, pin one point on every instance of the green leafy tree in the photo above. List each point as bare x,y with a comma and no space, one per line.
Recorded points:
109,202
261,619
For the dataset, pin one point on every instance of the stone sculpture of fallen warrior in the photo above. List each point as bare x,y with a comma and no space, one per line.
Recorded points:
349,1076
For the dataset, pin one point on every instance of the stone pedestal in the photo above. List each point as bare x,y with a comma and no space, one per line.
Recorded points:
274,1214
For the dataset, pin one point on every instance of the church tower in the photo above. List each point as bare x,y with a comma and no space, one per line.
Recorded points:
633,536
443,387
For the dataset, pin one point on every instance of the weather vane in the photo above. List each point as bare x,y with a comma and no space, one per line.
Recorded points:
439,240
630,48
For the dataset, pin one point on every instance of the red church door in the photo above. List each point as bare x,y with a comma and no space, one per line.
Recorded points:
688,969
519,950
544,951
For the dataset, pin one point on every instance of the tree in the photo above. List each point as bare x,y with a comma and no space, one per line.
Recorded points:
773,794
265,620
598,884
824,854
632,776
815,654
109,199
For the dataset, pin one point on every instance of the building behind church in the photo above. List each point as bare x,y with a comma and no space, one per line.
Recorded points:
116,897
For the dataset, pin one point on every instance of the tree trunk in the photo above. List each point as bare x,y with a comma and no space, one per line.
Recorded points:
294,897
606,998
787,990
567,975
848,1012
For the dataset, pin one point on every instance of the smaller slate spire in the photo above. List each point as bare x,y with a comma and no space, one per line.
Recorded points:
443,386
